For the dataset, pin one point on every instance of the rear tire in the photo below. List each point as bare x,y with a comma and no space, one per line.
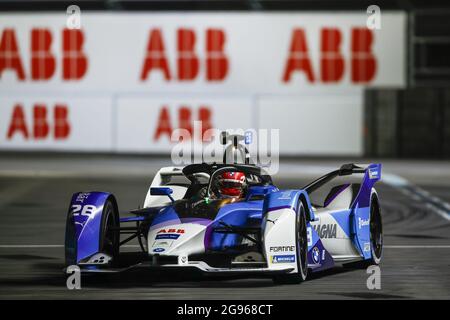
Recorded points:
376,238
376,232
301,252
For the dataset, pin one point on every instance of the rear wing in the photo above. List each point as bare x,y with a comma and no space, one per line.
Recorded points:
372,174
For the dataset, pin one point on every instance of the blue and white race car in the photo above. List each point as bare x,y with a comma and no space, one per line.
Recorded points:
199,217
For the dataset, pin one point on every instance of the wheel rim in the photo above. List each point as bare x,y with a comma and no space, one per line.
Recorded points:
302,242
376,233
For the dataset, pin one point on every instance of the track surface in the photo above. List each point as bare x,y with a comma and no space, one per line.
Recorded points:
33,211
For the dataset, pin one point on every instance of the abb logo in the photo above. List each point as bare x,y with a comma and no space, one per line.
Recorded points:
43,62
188,63
165,127
332,64
179,231
40,128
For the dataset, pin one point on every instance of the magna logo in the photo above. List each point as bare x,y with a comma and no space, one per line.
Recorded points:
41,126
326,230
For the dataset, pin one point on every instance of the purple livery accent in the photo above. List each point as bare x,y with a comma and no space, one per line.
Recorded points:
330,199
361,210
316,242
363,197
324,259
208,236
135,218
86,209
204,222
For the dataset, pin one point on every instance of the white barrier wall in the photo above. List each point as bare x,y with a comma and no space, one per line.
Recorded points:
123,81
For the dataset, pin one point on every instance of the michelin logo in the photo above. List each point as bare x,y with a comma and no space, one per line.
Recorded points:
362,222
287,258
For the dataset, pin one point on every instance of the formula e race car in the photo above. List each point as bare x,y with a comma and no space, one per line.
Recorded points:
186,223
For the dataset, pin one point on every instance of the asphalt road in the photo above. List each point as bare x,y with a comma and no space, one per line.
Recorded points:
416,261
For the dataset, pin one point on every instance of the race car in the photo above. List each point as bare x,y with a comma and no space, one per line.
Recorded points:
220,218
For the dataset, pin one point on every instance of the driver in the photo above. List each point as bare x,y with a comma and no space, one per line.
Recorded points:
232,184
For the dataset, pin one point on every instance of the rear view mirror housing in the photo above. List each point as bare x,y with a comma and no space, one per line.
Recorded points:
162,191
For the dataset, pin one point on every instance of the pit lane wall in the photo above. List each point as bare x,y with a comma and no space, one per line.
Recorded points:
124,81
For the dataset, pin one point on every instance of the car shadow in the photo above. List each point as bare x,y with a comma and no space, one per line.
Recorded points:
49,271
330,272
368,295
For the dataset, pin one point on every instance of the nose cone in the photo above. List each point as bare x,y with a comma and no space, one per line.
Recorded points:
186,238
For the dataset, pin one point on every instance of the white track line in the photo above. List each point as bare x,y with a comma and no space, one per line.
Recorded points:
417,247
44,246
435,204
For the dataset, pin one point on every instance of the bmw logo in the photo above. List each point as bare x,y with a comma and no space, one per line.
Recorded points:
316,254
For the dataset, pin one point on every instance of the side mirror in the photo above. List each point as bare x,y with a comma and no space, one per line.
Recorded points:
162,191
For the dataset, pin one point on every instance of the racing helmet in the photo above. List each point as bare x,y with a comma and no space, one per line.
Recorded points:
231,184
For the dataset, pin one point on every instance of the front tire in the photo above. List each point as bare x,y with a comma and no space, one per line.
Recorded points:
110,235
301,240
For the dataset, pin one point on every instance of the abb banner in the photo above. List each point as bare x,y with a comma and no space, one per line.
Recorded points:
146,124
141,75
56,123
